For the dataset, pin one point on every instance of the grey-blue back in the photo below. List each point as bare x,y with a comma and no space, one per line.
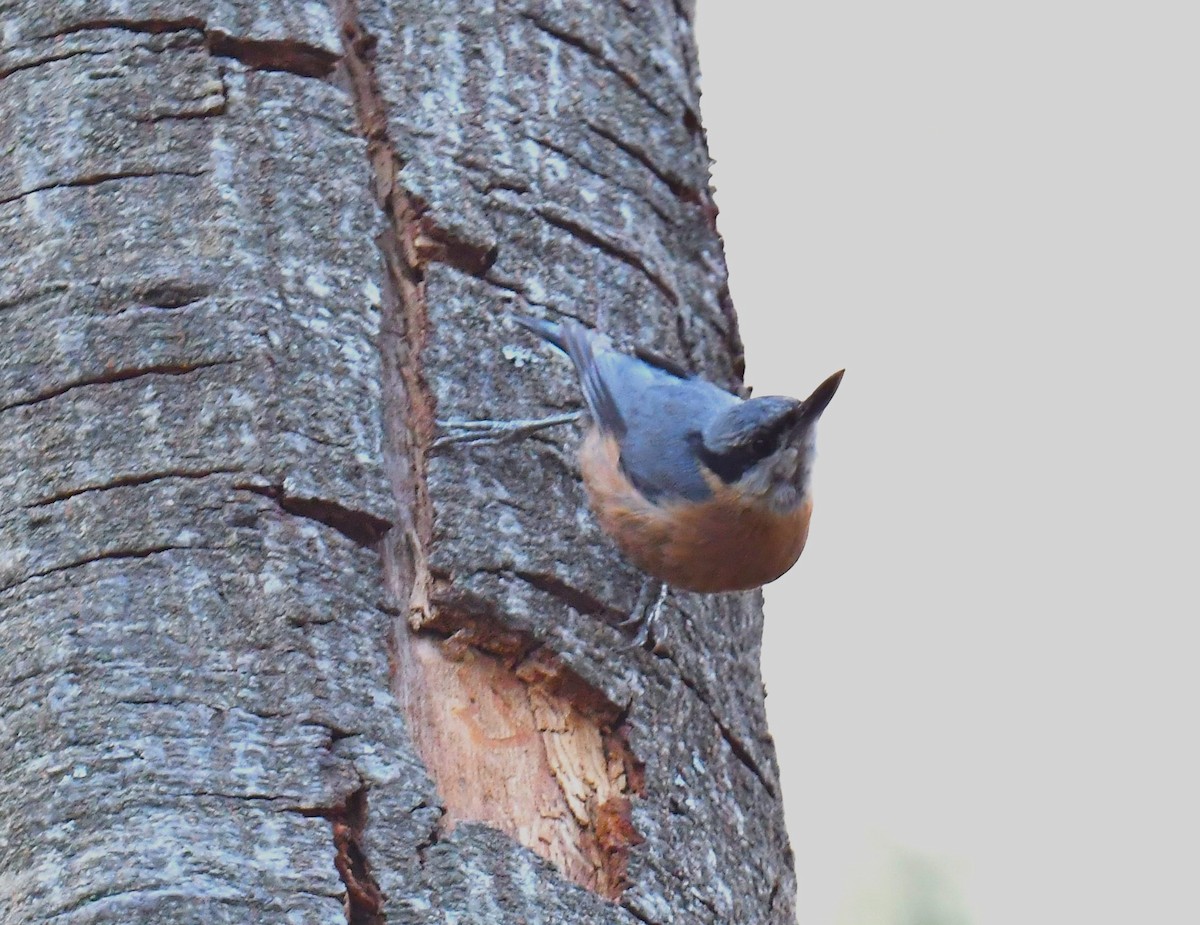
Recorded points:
662,416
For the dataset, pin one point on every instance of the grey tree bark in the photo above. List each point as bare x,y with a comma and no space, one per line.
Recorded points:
269,650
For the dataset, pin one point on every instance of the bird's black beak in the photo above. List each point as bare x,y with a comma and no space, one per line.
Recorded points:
812,407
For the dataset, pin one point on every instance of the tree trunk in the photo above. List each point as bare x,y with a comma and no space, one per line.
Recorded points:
270,651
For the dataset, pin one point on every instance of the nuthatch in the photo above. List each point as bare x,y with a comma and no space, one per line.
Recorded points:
701,489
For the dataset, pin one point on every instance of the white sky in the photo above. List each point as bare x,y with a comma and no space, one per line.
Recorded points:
988,655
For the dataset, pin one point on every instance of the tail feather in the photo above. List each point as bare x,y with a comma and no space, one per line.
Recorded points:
546,330
579,343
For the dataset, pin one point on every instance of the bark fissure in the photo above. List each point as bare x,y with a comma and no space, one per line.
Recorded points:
736,746
100,178
639,914
408,418
170,295
433,837
432,244
609,244
92,905
268,799
563,151
16,300
409,422
48,59
273,54
145,553
570,595
514,286
361,527
363,899
216,109
117,375
677,187
706,903
143,478
597,55
775,887
324,441
150,25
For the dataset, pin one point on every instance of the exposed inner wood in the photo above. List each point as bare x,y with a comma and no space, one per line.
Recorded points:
511,753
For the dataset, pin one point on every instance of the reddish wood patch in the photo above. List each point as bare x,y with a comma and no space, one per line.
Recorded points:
512,751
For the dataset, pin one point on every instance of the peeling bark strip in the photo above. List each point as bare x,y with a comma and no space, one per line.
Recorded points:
507,742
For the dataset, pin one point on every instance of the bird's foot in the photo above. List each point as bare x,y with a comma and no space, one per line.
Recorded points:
650,601
497,431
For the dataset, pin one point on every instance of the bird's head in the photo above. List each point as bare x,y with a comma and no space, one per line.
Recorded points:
764,447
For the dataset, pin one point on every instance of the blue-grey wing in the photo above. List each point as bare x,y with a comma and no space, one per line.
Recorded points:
652,407
663,415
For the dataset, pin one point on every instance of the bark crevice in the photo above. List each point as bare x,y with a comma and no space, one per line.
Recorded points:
736,746
570,595
47,59
99,178
597,55
361,527
149,25
677,187
117,375
125,481
111,554
286,55
563,151
363,899
608,243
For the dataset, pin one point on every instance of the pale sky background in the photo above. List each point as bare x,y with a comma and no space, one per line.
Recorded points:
983,675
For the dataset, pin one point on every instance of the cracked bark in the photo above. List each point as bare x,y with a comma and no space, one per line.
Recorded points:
95,180
264,655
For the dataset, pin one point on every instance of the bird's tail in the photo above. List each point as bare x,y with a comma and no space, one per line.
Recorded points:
580,344
546,330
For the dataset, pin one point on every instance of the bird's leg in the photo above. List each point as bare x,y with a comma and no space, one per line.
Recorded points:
497,431
651,598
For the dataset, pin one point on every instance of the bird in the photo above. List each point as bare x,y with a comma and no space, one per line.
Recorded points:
698,487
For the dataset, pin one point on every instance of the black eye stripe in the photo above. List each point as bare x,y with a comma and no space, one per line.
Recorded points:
768,441
731,465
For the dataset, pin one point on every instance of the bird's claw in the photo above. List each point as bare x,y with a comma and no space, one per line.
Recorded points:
497,431
645,611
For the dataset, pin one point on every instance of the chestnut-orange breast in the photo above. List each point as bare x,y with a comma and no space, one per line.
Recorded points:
721,544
